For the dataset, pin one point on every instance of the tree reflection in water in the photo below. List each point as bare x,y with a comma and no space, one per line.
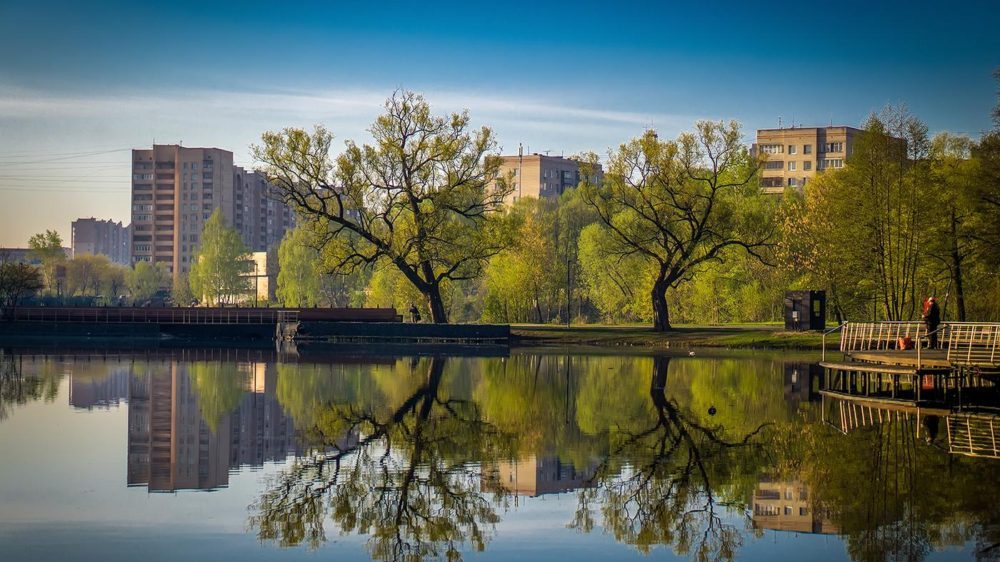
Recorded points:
659,484
402,475
16,389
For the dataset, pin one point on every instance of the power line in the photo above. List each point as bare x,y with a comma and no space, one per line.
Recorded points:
34,153
69,157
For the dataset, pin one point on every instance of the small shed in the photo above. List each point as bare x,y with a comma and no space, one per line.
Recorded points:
805,310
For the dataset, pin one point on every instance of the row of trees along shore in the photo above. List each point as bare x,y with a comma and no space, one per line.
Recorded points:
664,231
672,231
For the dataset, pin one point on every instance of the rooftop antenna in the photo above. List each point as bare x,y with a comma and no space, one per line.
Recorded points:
779,121
546,152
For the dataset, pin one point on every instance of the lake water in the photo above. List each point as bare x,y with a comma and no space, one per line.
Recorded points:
539,455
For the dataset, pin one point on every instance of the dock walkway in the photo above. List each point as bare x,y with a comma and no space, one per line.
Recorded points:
874,361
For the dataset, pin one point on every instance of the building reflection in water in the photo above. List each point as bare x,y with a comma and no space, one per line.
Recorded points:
971,430
87,393
172,447
537,475
788,506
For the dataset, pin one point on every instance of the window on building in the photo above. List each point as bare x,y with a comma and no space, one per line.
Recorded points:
807,165
792,182
791,166
772,148
774,165
791,149
834,147
807,149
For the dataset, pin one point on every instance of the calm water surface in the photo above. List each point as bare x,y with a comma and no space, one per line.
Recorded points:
227,455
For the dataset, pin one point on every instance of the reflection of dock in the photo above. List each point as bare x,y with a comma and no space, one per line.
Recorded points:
969,433
974,434
788,506
535,476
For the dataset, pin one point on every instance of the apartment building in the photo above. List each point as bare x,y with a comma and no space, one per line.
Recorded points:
541,176
176,189
796,154
257,213
102,237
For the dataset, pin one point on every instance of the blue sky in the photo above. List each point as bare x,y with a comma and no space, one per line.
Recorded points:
563,76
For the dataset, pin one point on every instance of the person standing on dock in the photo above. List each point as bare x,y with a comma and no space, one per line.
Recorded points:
932,319
414,314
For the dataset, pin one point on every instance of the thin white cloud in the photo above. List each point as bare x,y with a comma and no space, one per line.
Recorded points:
315,105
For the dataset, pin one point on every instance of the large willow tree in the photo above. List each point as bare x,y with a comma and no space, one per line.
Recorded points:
681,203
425,196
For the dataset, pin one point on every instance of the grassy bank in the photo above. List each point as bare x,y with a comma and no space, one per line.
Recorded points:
733,337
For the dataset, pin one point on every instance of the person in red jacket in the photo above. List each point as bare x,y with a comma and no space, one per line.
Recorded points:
932,319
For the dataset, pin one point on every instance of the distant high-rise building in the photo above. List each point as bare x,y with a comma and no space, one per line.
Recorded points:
257,213
102,237
176,189
540,176
796,154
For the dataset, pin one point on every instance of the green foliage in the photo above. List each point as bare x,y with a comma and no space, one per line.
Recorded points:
678,205
18,281
523,282
220,387
617,284
145,279
303,279
181,294
904,219
423,198
84,273
221,268
46,247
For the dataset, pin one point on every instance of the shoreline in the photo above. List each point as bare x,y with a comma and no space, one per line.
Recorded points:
526,336
750,337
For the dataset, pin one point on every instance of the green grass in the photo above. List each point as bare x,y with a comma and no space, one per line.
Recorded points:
747,336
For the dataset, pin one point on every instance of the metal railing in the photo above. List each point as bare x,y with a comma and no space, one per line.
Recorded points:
115,315
879,336
830,331
965,343
973,343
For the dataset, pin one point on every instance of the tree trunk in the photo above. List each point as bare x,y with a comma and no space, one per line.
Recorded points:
661,316
956,268
660,367
436,304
